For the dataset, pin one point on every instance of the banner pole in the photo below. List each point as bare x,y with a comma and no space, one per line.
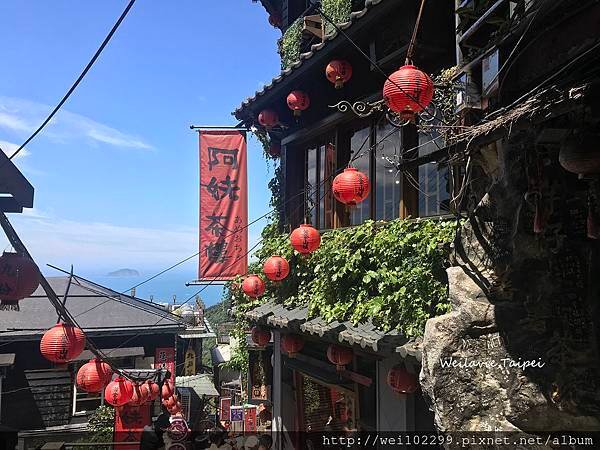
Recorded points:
218,128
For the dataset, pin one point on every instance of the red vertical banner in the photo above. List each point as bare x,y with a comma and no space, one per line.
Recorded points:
223,205
225,410
129,425
250,420
164,358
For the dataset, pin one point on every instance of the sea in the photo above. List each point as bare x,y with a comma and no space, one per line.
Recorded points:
169,287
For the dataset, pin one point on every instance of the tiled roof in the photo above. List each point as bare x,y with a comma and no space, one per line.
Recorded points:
97,309
365,335
354,17
201,383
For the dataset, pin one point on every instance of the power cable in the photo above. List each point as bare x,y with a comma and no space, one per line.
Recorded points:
79,79
379,69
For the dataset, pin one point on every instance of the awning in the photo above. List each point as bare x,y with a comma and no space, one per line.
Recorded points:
220,354
202,384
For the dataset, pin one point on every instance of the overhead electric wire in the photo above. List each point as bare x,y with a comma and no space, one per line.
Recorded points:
79,79
376,66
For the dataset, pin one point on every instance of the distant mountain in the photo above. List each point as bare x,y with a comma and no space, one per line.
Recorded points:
124,273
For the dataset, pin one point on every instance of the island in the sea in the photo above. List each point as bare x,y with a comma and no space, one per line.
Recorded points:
124,273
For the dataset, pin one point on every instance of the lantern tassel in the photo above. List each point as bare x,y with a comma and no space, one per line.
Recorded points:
593,230
538,221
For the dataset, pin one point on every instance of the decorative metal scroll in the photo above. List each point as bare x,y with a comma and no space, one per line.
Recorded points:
365,109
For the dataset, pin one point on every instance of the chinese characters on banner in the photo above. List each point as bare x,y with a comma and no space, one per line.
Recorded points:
129,424
250,419
164,358
225,410
223,205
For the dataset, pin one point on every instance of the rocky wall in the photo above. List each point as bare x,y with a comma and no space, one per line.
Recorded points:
520,349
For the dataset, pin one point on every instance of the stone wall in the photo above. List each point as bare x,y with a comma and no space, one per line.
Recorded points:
525,290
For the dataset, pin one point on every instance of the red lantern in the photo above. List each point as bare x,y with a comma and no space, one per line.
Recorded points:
408,91
275,150
338,72
167,389
137,398
253,286
275,20
268,118
19,278
351,186
580,154
93,376
292,344
298,101
62,343
260,336
154,389
171,402
118,392
402,381
276,268
145,391
305,239
340,356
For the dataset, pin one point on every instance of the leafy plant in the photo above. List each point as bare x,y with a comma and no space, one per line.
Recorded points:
100,427
390,273
290,44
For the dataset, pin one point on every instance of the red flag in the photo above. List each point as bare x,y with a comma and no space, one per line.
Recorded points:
223,205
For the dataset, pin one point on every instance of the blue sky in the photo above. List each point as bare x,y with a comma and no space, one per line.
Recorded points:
116,172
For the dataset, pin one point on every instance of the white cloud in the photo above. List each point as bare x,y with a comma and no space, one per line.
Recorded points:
95,246
9,148
22,116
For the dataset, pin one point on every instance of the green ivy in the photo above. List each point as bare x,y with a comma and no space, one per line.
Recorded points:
290,44
391,273
100,427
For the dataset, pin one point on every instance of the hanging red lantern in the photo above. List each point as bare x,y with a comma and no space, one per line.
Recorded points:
260,336
305,239
93,376
338,72
145,392
268,118
275,150
276,268
19,278
340,356
167,389
408,91
402,381
118,392
298,101
62,343
154,389
275,20
171,402
351,186
253,286
137,398
292,344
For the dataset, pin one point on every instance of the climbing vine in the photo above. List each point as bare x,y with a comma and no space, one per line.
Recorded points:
290,44
391,273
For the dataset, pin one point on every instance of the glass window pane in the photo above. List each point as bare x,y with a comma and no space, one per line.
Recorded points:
387,183
433,180
312,185
359,144
327,169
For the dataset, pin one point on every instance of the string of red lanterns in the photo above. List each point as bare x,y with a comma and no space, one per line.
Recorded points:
253,286
118,392
305,239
